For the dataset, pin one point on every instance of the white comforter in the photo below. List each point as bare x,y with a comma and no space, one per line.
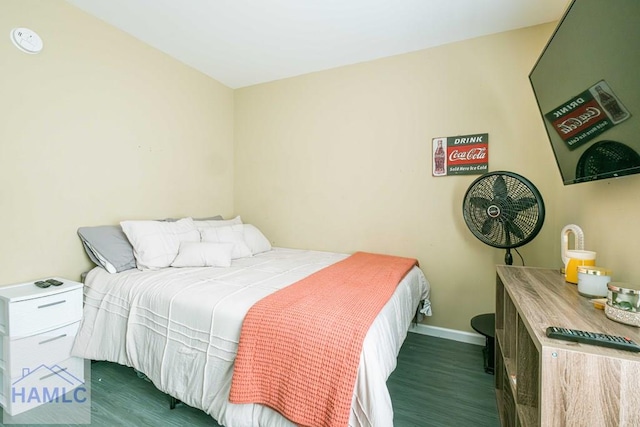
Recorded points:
181,327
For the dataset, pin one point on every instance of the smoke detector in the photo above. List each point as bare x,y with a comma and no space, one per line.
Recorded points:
26,40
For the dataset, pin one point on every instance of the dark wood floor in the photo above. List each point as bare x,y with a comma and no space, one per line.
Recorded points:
441,382
437,383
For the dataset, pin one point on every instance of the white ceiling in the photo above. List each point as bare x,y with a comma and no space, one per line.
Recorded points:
242,43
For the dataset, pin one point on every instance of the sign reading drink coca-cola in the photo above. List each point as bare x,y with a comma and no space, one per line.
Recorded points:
461,155
587,115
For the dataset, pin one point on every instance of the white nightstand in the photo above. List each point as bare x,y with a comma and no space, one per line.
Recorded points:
37,328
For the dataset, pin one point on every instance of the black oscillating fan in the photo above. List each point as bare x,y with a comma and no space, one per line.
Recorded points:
503,210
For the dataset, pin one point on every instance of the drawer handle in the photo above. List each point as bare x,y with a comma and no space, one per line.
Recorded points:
53,373
52,339
52,303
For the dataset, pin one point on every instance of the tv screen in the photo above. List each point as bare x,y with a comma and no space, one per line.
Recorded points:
587,85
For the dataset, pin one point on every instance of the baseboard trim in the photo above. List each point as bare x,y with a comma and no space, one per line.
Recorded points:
449,334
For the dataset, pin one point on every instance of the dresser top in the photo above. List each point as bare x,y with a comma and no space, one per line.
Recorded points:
544,299
28,290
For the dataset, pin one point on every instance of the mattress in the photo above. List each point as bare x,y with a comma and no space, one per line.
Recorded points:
181,328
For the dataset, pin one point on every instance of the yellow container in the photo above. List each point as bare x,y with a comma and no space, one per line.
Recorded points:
575,259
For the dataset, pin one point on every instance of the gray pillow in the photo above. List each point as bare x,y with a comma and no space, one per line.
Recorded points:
108,247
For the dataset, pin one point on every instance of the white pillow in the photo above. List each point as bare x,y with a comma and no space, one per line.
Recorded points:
156,243
202,224
228,234
256,241
203,254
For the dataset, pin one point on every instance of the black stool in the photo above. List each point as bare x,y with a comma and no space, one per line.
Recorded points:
485,324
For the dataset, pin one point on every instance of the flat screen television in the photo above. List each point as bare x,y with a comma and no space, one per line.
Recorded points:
587,85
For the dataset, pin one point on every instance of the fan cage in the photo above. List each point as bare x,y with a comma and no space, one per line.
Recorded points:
606,159
503,216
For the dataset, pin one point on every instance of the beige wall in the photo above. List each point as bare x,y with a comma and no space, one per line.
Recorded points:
99,128
340,160
608,213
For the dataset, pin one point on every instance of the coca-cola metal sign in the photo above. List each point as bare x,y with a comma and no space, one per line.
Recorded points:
587,115
461,155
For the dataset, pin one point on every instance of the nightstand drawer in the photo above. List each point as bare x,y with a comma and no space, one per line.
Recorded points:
33,315
46,348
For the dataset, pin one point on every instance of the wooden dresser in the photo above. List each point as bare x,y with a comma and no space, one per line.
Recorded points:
547,382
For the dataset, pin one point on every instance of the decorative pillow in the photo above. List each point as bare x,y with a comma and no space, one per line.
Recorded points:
210,218
228,234
203,254
202,224
254,238
108,247
156,243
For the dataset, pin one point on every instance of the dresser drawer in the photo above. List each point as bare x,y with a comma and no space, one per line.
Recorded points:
30,316
28,389
46,348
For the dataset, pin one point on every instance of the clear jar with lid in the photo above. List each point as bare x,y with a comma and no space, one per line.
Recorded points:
625,296
592,281
623,303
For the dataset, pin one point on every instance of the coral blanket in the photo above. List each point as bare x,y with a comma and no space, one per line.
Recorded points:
300,347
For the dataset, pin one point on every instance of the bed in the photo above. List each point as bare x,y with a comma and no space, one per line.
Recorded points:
181,327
